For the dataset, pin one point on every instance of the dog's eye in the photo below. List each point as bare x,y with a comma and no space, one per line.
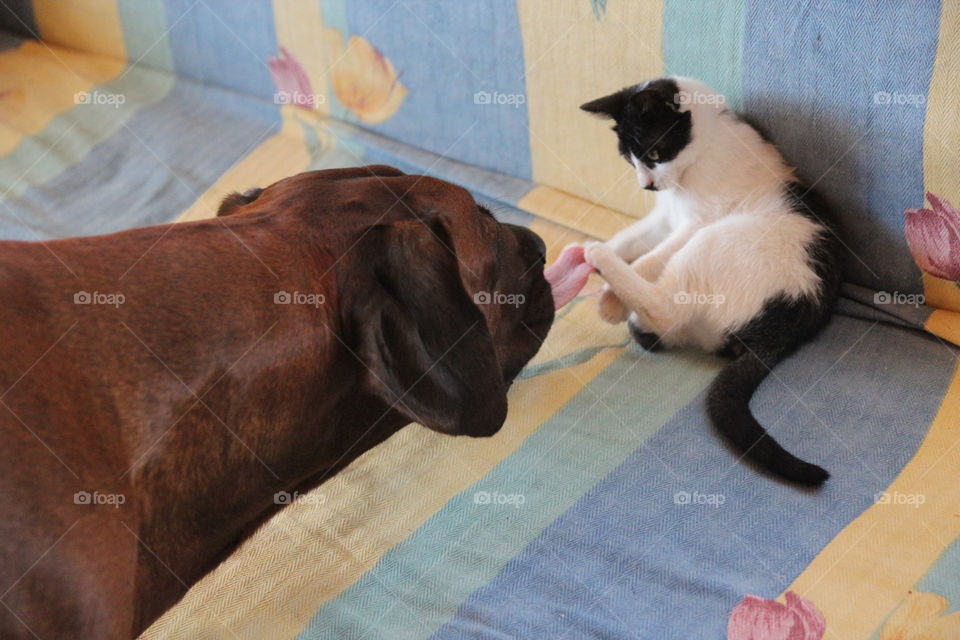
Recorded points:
653,155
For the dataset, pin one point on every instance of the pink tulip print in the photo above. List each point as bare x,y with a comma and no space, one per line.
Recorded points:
933,236
757,618
290,79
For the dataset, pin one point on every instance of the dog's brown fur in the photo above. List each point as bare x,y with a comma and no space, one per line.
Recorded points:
198,398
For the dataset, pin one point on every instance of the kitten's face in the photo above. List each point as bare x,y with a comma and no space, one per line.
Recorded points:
652,130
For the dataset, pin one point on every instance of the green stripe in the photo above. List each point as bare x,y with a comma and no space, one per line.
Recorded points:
419,584
703,39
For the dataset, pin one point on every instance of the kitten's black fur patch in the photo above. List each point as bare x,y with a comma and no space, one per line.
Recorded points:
648,120
646,339
782,326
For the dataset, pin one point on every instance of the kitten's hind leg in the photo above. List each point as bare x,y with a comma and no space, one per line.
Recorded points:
610,308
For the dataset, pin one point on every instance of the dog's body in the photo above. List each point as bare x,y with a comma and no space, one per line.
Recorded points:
147,425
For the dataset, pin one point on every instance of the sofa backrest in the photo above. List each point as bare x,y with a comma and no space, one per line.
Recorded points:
860,97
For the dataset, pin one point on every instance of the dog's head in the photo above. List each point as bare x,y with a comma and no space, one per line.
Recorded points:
442,304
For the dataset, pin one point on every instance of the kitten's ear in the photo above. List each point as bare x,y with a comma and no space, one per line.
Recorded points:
610,106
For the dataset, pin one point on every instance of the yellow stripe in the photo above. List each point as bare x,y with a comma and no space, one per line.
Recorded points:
299,26
945,324
571,150
575,213
941,155
86,25
41,82
879,556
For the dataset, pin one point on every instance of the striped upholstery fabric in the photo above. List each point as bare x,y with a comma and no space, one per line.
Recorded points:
606,507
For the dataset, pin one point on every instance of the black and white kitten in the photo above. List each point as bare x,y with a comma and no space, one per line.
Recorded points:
736,257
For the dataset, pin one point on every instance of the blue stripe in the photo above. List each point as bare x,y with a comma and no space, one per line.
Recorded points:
418,585
628,561
471,47
814,74
225,43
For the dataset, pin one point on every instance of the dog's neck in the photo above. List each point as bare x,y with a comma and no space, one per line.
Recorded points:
198,504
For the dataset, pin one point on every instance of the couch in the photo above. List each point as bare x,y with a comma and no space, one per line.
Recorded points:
606,507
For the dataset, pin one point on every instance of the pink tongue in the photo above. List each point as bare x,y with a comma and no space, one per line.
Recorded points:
568,275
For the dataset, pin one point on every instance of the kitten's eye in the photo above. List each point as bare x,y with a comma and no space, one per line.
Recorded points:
653,156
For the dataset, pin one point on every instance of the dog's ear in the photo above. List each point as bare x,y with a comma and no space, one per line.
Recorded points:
610,106
426,346
236,200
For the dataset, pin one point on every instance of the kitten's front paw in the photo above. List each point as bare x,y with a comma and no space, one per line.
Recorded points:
610,308
599,255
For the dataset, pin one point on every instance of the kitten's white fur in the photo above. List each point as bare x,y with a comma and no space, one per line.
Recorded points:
721,241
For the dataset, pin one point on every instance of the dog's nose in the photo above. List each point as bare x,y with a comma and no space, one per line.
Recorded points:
541,246
530,242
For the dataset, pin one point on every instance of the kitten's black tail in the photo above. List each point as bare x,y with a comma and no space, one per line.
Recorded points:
728,404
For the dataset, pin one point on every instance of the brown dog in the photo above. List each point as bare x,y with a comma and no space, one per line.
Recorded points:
160,386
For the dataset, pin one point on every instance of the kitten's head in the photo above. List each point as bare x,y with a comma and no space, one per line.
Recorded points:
654,125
